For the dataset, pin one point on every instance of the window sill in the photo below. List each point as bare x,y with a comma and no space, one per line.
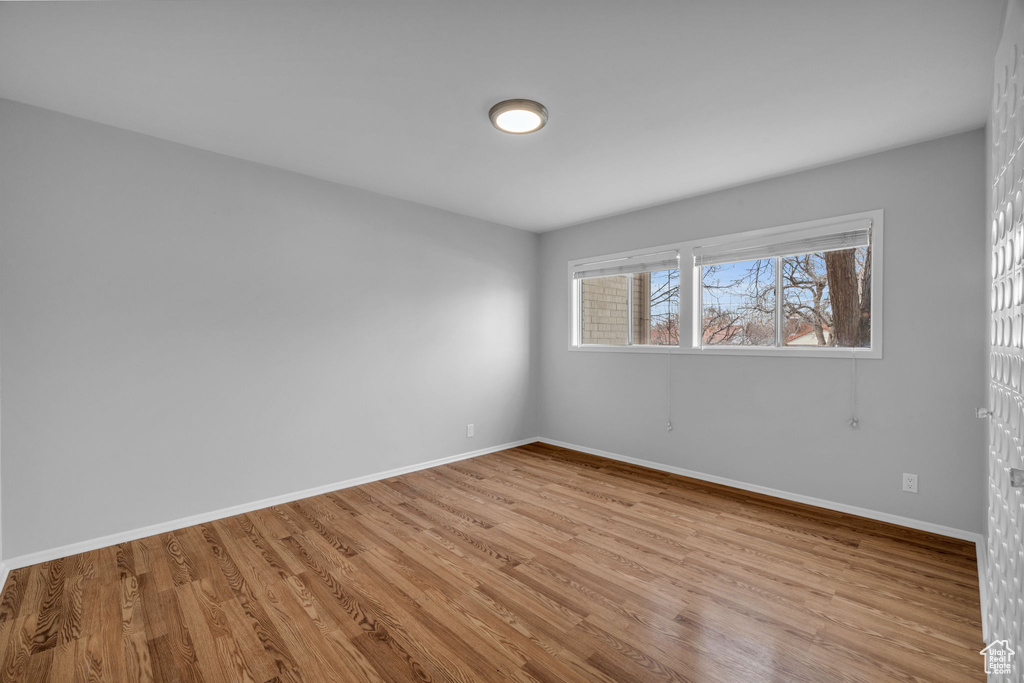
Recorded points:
860,354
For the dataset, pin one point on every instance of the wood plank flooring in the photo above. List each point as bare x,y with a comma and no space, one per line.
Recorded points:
532,564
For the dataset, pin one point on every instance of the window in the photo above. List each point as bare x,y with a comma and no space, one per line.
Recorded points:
628,300
812,289
800,288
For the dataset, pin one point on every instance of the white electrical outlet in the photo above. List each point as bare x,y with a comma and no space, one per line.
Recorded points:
469,431
910,483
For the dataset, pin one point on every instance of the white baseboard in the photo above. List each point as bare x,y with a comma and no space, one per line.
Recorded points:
135,534
776,493
5,569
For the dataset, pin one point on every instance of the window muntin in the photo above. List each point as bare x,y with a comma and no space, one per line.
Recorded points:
799,316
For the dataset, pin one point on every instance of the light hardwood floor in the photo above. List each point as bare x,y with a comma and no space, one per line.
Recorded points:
532,564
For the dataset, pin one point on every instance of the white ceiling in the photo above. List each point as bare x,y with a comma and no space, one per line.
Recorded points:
649,100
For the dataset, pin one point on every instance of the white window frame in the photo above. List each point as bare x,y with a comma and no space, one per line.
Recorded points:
690,292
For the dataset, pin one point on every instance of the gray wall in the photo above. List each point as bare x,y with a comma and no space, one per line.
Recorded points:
183,331
781,422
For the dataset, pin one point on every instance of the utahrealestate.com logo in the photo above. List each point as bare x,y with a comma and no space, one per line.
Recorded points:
998,657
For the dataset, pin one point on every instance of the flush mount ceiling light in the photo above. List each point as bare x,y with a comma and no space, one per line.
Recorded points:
518,116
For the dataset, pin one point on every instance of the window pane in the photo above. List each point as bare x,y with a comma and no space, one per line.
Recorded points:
826,299
738,304
605,310
656,308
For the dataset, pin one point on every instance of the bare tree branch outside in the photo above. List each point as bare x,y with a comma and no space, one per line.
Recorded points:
826,300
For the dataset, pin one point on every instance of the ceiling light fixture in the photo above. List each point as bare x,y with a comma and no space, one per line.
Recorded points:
518,116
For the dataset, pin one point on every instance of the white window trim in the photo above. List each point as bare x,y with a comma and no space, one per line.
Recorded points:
689,290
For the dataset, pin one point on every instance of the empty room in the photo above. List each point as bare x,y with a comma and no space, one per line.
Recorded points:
539,341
